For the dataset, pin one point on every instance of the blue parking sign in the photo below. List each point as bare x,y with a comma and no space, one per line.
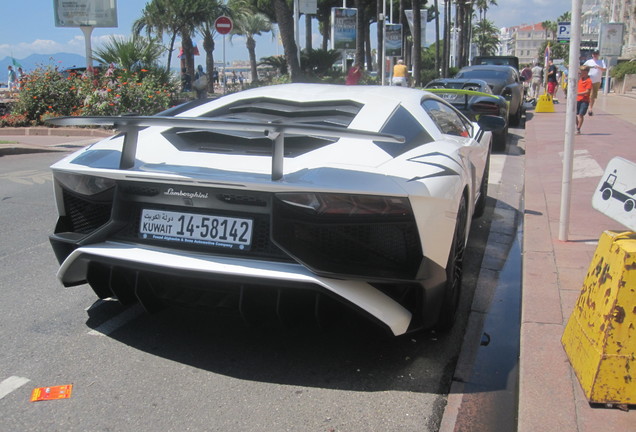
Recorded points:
563,32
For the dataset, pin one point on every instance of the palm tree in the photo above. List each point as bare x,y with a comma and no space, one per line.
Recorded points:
486,36
277,62
437,58
284,18
417,43
131,53
249,23
207,30
483,6
156,19
180,17
550,28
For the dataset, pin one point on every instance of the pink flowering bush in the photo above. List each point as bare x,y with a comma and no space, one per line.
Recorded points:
47,92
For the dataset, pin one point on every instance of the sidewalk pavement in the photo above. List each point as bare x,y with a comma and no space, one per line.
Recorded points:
44,139
550,396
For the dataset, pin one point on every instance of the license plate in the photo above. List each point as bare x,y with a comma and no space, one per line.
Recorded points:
196,229
449,96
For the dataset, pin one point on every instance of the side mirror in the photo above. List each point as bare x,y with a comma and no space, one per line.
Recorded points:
491,123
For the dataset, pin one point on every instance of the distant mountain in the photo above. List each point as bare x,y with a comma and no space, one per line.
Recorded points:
61,60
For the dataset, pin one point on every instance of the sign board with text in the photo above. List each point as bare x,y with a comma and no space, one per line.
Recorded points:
393,40
563,32
84,13
343,32
611,39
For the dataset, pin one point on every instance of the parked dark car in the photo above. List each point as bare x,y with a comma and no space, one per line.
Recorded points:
503,81
474,98
497,60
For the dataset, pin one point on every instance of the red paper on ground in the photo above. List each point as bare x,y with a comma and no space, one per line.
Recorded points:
52,393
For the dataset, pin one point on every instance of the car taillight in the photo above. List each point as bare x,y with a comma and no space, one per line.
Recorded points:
485,108
342,204
84,184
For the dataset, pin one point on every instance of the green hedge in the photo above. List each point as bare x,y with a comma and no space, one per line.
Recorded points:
620,70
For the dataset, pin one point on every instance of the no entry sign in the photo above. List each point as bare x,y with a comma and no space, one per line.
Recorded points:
223,25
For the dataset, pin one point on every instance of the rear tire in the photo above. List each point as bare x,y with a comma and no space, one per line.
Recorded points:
480,206
499,140
454,272
516,119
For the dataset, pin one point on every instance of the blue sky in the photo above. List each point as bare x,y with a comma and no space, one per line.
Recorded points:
28,27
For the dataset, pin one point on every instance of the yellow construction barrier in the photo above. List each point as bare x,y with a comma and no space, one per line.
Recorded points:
544,104
600,337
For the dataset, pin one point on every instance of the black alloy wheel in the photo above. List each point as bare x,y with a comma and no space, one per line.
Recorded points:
454,273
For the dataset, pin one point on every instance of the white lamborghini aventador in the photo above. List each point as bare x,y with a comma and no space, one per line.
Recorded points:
360,194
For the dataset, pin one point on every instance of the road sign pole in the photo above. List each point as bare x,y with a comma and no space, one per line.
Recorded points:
223,25
570,119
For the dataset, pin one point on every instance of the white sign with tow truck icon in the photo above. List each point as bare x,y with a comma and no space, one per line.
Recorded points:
615,195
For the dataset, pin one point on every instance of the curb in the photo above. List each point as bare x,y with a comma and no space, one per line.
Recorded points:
78,138
51,131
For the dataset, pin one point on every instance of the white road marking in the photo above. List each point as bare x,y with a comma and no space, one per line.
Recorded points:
119,321
584,165
497,163
11,384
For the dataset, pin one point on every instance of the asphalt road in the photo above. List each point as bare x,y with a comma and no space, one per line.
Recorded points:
183,370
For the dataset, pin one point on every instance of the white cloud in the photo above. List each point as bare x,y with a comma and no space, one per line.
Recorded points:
46,46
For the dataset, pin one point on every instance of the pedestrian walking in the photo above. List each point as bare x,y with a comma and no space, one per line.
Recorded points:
597,68
200,83
354,75
526,74
553,79
584,90
537,79
400,74
12,79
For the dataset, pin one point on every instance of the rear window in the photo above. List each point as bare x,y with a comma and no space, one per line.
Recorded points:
330,113
483,73
404,124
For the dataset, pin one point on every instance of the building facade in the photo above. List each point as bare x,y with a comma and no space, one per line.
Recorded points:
597,12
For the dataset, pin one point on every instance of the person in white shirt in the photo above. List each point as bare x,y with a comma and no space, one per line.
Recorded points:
537,79
597,68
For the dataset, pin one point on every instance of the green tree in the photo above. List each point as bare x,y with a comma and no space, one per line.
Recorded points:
249,23
486,36
208,31
417,42
318,62
177,17
277,62
156,19
483,6
131,53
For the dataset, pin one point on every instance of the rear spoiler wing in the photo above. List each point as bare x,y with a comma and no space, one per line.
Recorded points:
275,131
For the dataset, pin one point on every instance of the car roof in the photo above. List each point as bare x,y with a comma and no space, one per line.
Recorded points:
458,80
491,67
378,102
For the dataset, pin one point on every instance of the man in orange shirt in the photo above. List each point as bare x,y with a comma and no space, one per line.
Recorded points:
584,89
